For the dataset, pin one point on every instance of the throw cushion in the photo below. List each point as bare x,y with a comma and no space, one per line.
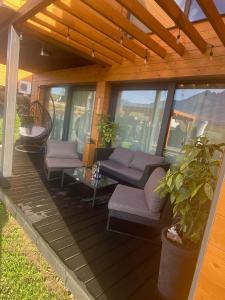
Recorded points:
152,198
122,156
141,160
61,149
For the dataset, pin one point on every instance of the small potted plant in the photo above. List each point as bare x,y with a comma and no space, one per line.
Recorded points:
107,130
190,186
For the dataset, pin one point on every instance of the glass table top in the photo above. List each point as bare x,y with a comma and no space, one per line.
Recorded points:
85,176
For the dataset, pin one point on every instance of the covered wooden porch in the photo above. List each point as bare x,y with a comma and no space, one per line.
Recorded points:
72,236
100,43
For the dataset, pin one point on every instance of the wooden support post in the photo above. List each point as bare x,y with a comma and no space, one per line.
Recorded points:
10,102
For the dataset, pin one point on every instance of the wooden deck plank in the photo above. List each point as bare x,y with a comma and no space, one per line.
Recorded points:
113,275
111,266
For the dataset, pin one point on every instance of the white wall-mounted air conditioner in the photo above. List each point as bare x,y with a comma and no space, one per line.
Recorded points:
24,87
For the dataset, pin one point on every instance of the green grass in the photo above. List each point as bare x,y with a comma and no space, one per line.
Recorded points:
25,275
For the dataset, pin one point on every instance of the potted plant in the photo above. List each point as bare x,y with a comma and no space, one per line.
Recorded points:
107,130
190,186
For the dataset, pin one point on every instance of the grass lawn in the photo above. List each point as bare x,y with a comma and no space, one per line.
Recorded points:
24,273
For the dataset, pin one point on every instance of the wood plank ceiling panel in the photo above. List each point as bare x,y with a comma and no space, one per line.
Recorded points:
87,15
178,16
112,15
79,49
73,35
70,21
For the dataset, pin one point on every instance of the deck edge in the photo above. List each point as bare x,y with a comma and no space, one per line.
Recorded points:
77,288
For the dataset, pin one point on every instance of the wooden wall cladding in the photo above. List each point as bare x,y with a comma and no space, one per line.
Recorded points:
211,283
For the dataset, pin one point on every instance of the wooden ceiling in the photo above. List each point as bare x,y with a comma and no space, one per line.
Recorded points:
31,60
101,32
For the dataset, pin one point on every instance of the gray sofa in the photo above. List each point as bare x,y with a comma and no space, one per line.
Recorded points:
129,167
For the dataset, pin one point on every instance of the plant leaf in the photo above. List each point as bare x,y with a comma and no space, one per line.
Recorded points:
179,181
208,190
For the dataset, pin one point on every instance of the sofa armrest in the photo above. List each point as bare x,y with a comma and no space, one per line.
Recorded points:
149,169
102,153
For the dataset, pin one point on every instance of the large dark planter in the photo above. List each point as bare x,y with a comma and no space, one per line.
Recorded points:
176,270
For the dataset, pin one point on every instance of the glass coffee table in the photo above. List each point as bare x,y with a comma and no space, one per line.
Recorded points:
84,175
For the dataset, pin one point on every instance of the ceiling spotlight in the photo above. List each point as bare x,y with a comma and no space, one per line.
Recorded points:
93,53
68,34
121,38
44,52
178,36
211,52
146,57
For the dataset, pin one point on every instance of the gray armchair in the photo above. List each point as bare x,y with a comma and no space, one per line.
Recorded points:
61,155
142,206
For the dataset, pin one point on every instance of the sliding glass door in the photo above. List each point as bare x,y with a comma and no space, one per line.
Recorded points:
81,111
197,110
139,114
59,96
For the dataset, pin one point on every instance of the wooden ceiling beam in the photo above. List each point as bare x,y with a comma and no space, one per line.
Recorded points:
141,13
30,8
87,15
55,26
70,21
113,15
180,19
210,10
76,47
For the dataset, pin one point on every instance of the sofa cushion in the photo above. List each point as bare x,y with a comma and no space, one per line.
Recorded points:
154,202
61,149
131,173
111,165
131,200
122,156
120,169
62,163
141,160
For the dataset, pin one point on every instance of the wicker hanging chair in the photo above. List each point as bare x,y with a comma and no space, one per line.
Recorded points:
36,127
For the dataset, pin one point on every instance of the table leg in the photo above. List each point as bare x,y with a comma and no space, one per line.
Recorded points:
94,197
62,179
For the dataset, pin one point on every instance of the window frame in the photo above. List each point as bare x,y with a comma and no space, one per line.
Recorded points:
67,113
171,87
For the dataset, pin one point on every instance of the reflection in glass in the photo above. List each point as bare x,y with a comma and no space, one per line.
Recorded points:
59,95
139,114
81,117
196,111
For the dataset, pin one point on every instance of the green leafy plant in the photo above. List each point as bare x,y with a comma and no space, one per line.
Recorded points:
16,131
190,185
107,130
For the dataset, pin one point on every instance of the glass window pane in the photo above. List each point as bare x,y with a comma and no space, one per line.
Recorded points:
59,95
139,24
197,111
181,3
220,4
195,12
139,114
81,117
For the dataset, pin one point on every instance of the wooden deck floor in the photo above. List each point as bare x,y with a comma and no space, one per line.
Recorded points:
107,265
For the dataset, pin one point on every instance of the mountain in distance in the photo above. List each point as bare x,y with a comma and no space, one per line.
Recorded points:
209,105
